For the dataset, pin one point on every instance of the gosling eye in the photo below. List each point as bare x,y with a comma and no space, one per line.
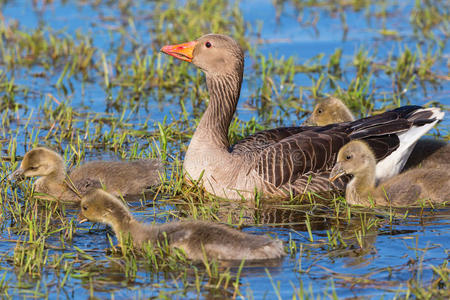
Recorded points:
32,168
84,207
208,45
319,111
348,157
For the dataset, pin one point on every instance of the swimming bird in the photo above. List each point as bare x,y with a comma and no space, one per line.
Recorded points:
357,159
426,153
282,161
195,238
118,177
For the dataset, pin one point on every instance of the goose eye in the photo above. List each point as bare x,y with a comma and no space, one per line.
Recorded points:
208,45
348,157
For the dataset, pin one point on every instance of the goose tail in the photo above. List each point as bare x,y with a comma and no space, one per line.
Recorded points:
273,250
421,121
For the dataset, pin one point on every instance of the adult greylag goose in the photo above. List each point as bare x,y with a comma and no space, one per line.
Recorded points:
195,238
426,153
118,177
357,159
281,161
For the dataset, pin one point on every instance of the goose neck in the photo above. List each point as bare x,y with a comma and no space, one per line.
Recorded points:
224,93
122,227
361,187
58,174
120,219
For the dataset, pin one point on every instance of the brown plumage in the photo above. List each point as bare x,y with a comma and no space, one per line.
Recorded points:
427,152
117,177
357,159
217,241
282,161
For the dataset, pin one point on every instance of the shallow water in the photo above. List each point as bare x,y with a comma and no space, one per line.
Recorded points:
390,254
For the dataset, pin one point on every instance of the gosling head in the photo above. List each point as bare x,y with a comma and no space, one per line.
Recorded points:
329,111
354,158
100,206
39,162
215,54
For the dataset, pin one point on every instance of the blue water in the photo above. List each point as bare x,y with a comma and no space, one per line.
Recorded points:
387,260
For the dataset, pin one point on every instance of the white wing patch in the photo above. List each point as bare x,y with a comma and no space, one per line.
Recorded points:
393,164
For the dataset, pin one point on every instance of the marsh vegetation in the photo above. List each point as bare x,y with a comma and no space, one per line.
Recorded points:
86,79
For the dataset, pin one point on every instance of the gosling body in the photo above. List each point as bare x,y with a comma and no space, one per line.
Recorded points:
195,238
424,184
429,153
121,177
117,177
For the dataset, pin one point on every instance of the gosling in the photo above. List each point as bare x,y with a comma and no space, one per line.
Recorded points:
195,238
329,111
427,153
356,158
118,177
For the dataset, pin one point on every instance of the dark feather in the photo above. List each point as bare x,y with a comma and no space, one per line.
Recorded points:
292,158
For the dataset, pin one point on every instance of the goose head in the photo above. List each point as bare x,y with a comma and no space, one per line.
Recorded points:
215,54
100,206
329,111
39,162
355,158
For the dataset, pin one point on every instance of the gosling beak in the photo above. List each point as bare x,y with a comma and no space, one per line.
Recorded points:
81,219
308,122
180,51
336,172
17,175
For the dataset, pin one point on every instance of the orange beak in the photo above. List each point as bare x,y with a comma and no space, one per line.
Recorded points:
181,51
337,171
81,219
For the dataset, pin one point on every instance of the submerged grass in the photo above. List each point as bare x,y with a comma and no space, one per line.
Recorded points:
46,71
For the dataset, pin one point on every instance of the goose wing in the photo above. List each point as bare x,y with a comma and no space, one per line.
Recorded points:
309,155
263,139
302,159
